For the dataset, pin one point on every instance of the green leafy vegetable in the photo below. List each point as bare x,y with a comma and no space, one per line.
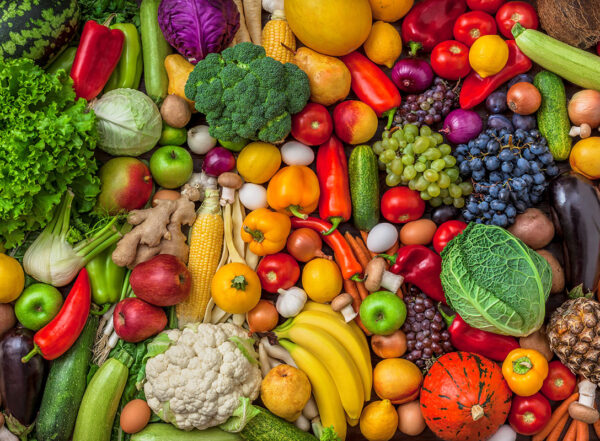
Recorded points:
495,282
126,11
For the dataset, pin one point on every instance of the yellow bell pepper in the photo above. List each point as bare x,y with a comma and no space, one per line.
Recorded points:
258,162
266,231
235,288
525,371
294,190
488,55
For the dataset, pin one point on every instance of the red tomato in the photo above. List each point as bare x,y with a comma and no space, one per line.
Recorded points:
401,205
598,48
490,6
516,12
278,271
450,60
560,382
529,415
313,125
446,232
472,25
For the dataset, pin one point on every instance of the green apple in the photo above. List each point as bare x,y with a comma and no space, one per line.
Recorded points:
383,312
37,305
234,146
171,166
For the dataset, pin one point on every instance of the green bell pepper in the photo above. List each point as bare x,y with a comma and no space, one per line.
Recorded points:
128,72
106,277
63,61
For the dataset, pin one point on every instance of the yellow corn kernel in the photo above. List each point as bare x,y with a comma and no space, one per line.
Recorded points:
277,34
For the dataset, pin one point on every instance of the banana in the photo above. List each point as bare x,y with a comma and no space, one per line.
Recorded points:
323,387
347,338
351,422
336,359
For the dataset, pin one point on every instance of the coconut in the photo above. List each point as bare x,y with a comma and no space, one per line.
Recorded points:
575,22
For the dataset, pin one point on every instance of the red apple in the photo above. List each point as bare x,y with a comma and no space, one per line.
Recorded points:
163,280
135,320
126,185
355,122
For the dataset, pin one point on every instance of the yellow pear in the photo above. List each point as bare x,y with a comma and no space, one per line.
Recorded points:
285,390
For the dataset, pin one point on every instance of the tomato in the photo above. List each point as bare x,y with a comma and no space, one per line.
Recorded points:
598,48
313,125
560,382
277,271
472,25
450,60
516,12
490,6
446,232
401,205
529,415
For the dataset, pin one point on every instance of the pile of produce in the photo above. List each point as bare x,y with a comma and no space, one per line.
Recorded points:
299,220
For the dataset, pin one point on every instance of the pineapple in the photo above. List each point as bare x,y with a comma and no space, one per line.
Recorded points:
574,334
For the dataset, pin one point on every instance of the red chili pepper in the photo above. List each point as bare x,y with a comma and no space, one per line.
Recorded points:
58,336
476,89
97,56
350,267
420,266
332,171
372,86
430,22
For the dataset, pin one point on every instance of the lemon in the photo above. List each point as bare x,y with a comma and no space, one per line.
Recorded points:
12,279
379,421
258,162
384,44
322,280
390,10
488,55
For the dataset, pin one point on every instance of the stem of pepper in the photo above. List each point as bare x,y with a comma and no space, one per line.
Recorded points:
335,222
414,48
447,318
257,236
390,117
522,365
295,210
36,350
390,259
239,283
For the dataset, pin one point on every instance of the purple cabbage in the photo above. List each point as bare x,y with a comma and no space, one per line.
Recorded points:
197,28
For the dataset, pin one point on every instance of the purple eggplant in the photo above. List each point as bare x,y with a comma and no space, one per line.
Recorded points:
575,205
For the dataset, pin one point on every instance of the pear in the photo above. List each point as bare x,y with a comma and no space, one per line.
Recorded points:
285,390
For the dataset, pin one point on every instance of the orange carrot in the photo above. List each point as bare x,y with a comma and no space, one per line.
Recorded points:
558,429
556,416
362,290
583,431
393,249
572,432
362,258
363,246
350,288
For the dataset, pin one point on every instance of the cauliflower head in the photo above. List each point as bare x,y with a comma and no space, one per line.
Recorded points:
199,380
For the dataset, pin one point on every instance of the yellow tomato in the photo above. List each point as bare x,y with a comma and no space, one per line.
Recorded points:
488,55
12,279
235,288
258,162
322,280
585,157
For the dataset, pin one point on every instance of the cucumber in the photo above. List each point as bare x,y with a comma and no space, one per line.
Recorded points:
267,427
552,116
364,187
167,432
65,387
154,51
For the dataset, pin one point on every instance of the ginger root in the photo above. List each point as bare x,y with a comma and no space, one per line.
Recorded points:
157,230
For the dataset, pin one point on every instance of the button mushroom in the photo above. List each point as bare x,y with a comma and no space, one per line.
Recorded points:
376,276
583,410
583,131
230,183
343,304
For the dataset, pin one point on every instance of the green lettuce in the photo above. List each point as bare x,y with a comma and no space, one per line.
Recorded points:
495,282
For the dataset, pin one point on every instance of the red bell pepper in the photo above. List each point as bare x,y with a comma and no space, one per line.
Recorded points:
446,232
431,21
372,86
58,336
420,266
476,89
97,56
332,171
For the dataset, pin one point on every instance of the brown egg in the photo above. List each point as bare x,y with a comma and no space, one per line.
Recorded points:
171,195
135,416
418,232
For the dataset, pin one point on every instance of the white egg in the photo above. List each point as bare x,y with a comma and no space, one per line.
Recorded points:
382,237
253,196
296,153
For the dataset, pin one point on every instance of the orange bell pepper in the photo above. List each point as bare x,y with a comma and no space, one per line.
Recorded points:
525,371
266,231
294,190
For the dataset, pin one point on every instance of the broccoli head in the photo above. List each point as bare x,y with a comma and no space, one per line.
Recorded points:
247,95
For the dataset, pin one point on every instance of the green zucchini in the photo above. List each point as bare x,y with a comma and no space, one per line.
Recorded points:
364,187
573,64
65,387
101,399
154,51
552,116
167,432
267,427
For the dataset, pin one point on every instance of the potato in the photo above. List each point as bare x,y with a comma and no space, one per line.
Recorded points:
410,418
539,342
558,274
7,317
175,111
534,228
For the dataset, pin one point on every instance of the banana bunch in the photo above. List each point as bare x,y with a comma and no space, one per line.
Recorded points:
335,357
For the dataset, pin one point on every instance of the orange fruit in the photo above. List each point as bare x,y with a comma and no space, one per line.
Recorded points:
379,421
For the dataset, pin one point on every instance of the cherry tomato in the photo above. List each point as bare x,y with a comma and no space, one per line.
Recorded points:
401,205
446,232
472,25
529,415
490,6
560,382
313,125
450,60
516,12
278,271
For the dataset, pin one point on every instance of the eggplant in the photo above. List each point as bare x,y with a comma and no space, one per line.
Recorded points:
575,206
21,384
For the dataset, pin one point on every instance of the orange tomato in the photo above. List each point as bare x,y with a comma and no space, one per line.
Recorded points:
397,380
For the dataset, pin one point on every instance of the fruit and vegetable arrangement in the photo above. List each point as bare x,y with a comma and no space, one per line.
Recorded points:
296,220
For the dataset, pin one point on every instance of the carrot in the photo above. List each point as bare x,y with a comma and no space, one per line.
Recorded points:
556,416
572,432
253,12
350,288
583,431
362,290
597,428
358,252
558,429
363,246
393,249
364,236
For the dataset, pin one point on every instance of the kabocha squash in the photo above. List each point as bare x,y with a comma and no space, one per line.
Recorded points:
464,397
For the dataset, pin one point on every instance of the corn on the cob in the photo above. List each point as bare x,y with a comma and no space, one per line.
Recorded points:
206,242
277,33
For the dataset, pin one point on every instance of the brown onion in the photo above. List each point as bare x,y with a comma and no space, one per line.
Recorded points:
304,244
389,346
263,317
584,108
523,98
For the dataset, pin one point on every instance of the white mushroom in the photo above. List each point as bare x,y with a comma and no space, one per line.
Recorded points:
230,183
376,276
343,304
583,410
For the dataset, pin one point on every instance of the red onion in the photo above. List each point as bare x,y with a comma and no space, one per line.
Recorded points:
461,126
218,160
412,75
